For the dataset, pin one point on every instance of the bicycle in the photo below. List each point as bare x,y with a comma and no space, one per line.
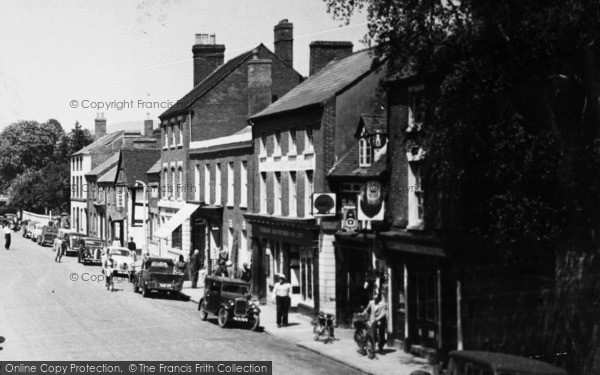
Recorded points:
365,335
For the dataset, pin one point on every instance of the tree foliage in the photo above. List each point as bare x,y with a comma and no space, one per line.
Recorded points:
34,163
511,129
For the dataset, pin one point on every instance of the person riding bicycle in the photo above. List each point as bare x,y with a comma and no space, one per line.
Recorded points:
377,310
108,265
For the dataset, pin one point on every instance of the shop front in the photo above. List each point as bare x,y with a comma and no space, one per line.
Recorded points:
207,222
423,295
290,247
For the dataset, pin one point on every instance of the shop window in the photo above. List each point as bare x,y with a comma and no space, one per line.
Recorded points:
306,274
176,238
427,296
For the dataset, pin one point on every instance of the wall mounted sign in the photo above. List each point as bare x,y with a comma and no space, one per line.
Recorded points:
370,202
349,218
323,204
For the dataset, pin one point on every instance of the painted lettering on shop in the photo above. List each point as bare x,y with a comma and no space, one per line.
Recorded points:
280,232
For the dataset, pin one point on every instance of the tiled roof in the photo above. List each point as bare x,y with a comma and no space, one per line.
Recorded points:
334,77
108,138
109,177
155,168
215,77
135,163
104,166
348,166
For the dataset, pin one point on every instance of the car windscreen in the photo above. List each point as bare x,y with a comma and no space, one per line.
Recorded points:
124,253
235,289
158,264
92,243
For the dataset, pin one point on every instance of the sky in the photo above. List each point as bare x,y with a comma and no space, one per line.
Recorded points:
60,59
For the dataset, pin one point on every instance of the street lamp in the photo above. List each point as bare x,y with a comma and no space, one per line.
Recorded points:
145,247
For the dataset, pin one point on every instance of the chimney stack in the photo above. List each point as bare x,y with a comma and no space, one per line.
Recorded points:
100,126
322,52
284,41
208,56
148,126
259,84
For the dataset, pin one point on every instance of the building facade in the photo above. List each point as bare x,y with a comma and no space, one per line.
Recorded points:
297,141
206,168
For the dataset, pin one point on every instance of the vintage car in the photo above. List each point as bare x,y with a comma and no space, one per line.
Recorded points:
72,239
47,236
158,274
11,218
36,231
229,300
124,261
29,228
92,253
464,362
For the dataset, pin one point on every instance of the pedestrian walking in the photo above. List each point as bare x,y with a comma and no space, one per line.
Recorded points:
246,273
6,238
377,310
195,267
282,292
131,244
62,249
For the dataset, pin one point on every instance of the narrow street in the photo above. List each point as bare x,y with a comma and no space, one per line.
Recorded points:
45,315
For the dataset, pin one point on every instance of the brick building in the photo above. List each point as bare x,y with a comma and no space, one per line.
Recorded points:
206,146
297,140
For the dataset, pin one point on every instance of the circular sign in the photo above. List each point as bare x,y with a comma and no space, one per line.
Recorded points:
350,222
324,204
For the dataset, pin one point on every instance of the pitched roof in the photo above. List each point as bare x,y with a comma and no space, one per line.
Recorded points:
155,168
105,165
134,164
109,177
372,123
103,141
348,166
317,88
215,77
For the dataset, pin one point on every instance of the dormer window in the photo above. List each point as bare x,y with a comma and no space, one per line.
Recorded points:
365,153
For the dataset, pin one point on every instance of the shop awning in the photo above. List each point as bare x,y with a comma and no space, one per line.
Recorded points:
176,220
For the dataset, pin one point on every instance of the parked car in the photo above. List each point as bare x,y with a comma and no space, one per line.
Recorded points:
464,362
124,263
29,228
72,239
93,251
11,218
47,236
157,274
36,231
229,300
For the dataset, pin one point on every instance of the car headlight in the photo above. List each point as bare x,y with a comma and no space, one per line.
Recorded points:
231,303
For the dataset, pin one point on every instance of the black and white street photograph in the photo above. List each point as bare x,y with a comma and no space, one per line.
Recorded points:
373,187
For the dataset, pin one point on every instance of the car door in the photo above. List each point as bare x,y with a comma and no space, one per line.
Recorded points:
213,296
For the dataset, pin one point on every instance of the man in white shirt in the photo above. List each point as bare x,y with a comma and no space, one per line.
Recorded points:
282,292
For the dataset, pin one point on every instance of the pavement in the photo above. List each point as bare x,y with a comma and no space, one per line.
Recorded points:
343,350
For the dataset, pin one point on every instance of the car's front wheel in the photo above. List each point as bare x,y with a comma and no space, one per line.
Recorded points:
145,292
223,317
202,308
254,322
